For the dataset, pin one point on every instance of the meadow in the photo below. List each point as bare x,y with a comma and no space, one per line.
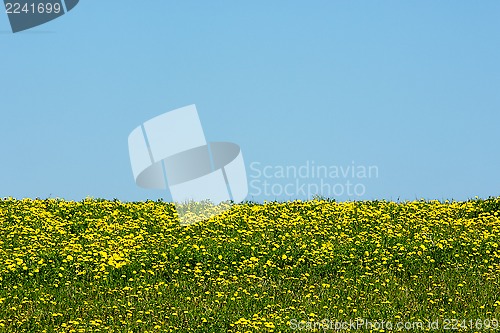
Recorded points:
111,266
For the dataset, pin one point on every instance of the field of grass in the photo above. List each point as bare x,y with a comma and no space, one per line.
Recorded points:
109,266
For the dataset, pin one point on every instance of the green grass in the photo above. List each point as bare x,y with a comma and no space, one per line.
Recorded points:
108,266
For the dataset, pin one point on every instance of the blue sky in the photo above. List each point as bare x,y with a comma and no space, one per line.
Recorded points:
412,87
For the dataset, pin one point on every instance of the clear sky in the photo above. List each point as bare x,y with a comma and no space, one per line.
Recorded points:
411,87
